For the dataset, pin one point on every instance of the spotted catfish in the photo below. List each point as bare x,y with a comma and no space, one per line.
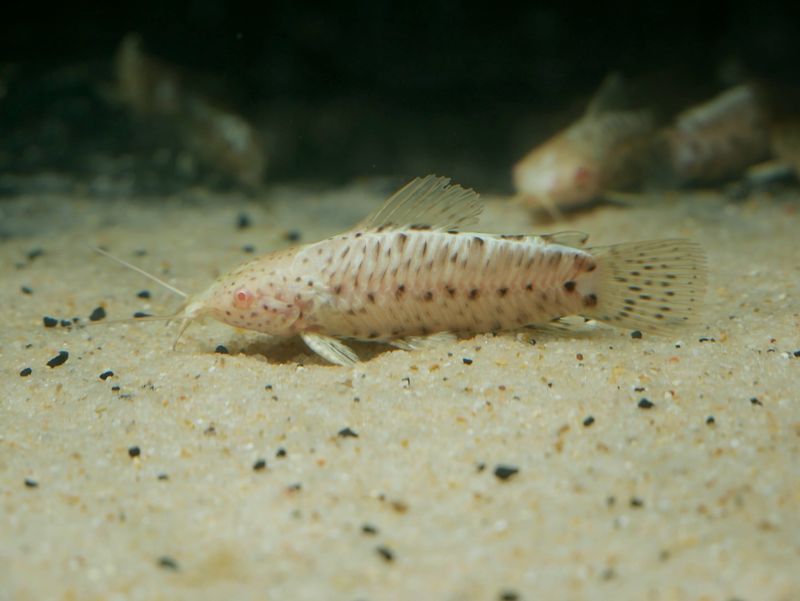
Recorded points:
408,274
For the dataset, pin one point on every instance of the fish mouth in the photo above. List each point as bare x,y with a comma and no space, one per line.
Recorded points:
190,312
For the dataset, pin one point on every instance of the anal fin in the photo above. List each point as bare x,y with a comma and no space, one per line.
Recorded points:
411,343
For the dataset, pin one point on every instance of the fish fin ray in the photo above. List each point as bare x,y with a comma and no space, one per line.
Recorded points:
429,201
648,285
330,349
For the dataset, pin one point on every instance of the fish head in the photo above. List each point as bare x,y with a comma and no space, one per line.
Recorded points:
556,175
255,296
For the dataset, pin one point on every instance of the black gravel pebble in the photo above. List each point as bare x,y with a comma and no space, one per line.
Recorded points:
141,314
248,248
221,349
509,596
163,476
710,420
115,388
98,314
35,254
143,294
106,375
59,359
755,401
637,502
646,404
347,433
134,452
260,464
296,487
588,421
504,472
385,553
25,372
65,323
466,361
31,483
796,353
243,221
167,563
26,290
293,236
280,452
369,529
49,322
636,334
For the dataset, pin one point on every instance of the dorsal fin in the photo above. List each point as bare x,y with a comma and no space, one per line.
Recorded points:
429,201
611,96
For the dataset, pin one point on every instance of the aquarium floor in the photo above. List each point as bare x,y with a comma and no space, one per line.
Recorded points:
266,474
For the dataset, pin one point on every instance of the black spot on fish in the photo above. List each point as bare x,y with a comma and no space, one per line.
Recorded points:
590,300
474,294
501,292
428,296
451,291
371,297
401,289
478,240
569,286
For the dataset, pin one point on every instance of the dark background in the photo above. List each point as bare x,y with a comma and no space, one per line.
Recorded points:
346,89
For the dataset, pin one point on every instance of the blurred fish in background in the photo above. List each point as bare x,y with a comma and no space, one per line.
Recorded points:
601,151
714,141
164,95
610,152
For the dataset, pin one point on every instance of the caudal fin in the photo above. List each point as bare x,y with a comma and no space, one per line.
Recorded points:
649,285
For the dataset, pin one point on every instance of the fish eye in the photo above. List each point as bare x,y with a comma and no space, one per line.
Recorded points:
582,176
242,298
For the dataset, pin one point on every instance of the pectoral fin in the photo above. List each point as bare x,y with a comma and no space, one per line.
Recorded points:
330,349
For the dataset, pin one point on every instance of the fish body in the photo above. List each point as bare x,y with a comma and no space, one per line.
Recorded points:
163,95
408,272
715,140
785,143
601,151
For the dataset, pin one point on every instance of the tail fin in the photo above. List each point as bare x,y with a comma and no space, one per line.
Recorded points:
649,285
